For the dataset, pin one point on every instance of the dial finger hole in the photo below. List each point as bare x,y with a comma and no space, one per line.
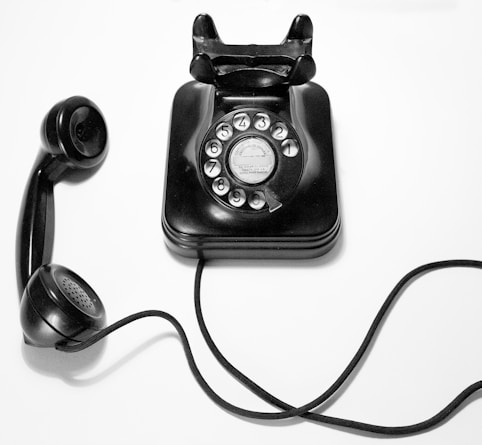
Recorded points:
212,168
221,186
257,200
213,148
241,121
237,197
224,131
289,148
279,131
261,121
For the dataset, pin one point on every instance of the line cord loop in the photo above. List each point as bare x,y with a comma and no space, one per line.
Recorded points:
289,411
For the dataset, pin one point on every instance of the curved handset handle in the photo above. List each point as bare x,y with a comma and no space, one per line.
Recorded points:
36,226
241,67
74,139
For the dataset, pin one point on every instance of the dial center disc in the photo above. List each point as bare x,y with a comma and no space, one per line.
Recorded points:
252,160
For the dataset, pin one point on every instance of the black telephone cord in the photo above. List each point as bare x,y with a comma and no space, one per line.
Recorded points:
288,410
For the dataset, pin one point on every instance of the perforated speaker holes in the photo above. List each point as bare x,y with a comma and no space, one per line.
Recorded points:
77,295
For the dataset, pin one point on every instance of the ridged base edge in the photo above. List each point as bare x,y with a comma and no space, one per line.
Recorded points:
248,248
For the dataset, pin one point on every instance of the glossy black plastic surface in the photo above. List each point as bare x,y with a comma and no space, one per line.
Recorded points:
196,225
59,306
196,222
252,66
56,304
74,137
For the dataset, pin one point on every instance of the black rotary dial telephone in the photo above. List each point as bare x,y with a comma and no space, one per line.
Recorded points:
250,166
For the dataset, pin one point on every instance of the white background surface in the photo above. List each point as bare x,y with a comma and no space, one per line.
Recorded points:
404,78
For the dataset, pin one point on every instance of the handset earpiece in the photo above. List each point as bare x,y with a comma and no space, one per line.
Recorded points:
74,132
56,304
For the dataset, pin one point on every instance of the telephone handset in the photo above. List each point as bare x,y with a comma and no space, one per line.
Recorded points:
250,170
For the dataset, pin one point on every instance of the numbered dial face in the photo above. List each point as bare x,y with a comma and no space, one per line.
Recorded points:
251,160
